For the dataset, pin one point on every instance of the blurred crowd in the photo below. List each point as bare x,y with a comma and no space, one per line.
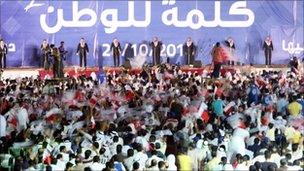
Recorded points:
159,119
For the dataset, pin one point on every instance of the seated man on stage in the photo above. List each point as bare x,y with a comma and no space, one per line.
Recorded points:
189,51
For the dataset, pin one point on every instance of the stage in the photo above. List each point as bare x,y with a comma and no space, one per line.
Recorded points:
13,73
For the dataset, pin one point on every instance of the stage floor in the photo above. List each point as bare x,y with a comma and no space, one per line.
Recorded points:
76,71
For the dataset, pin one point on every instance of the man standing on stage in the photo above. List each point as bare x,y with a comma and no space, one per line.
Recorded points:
45,50
189,51
62,50
3,52
231,47
57,67
82,51
116,49
217,54
268,48
156,49
63,53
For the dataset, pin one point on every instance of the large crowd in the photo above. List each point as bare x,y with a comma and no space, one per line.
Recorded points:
160,119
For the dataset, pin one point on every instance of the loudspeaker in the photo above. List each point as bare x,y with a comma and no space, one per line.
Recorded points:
127,64
197,64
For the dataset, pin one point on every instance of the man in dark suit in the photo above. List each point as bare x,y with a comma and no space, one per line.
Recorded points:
3,52
82,51
268,48
156,46
116,50
189,51
45,50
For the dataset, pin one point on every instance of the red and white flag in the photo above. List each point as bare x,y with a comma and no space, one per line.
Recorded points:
229,108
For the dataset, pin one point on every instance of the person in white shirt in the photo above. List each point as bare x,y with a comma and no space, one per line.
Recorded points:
104,156
275,157
141,157
296,166
136,167
297,152
153,165
60,161
56,166
237,143
153,157
64,153
125,149
96,165
116,141
87,161
22,118
128,162
143,141
203,145
221,151
197,155
224,165
171,163
241,165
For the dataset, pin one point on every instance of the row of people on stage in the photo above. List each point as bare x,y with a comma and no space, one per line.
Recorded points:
83,50
189,49
219,57
267,47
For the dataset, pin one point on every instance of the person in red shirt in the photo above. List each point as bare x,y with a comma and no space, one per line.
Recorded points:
218,57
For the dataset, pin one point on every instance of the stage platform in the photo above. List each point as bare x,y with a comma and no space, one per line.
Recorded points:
72,71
